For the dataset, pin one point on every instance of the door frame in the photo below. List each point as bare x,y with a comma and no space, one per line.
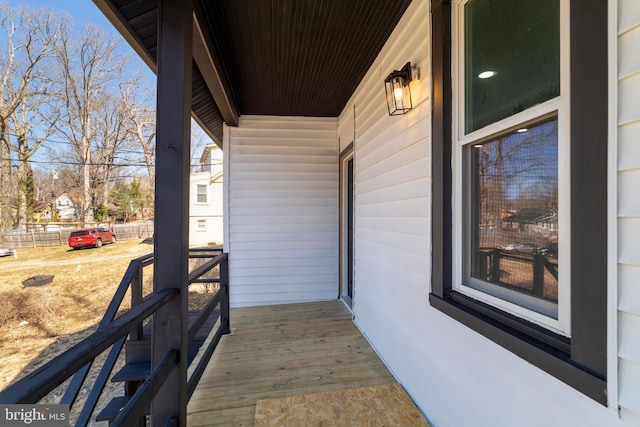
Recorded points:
347,228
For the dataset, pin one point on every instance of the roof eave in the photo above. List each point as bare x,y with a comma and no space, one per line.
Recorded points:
116,19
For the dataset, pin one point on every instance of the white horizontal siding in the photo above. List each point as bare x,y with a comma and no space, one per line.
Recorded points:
628,342
629,210
627,41
629,396
212,210
456,376
212,234
628,16
629,146
629,290
628,105
283,212
628,241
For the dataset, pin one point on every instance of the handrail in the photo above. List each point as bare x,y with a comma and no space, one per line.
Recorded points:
40,382
135,408
491,266
112,333
196,324
101,380
79,377
204,268
202,364
222,296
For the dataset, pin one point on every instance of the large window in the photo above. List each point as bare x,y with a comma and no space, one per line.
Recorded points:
510,112
510,57
520,179
510,216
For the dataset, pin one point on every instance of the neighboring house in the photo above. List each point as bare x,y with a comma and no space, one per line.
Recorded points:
535,220
42,212
327,195
65,208
205,207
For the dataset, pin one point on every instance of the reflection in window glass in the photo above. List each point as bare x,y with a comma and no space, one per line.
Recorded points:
512,58
513,215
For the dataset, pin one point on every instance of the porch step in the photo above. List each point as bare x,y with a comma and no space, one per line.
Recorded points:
138,365
132,372
138,351
140,370
113,408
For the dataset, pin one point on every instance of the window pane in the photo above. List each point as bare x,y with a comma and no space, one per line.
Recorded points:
513,216
512,58
202,193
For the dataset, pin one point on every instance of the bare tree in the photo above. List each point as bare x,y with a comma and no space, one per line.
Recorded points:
199,141
91,67
43,184
138,104
24,121
71,181
29,36
111,138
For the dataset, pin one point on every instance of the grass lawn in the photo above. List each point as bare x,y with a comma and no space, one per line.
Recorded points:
37,323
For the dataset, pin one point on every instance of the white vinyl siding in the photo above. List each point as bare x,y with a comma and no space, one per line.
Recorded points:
456,376
212,211
283,210
629,209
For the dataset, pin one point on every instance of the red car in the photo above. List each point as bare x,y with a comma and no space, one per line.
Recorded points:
95,237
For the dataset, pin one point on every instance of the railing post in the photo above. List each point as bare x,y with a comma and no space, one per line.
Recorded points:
136,299
538,275
224,302
130,387
495,265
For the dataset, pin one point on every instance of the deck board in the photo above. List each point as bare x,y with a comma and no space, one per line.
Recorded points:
283,351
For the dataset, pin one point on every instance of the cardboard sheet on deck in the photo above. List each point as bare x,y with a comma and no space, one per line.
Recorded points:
383,405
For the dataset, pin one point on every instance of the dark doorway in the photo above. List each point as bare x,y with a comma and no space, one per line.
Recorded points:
347,237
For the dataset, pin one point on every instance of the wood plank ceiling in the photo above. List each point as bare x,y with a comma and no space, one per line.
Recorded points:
280,57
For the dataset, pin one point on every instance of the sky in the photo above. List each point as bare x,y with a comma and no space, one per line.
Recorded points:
83,12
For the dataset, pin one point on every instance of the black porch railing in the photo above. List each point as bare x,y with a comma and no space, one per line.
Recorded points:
112,331
490,268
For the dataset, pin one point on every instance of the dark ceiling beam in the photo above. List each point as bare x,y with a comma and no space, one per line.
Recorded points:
136,21
113,15
209,65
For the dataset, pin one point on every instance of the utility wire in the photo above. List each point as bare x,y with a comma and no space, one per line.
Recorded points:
62,162
123,150
70,163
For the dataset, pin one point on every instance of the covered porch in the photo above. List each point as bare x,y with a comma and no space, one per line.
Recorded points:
328,194
273,84
282,352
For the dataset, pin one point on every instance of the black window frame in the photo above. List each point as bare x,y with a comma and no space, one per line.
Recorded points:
580,361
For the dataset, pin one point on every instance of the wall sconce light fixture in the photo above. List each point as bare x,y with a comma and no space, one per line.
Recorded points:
396,86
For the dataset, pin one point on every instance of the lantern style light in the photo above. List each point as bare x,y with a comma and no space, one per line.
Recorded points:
396,86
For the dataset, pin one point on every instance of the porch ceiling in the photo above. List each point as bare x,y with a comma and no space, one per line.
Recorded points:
270,57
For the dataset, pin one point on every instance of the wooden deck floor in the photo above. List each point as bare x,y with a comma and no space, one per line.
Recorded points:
282,351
